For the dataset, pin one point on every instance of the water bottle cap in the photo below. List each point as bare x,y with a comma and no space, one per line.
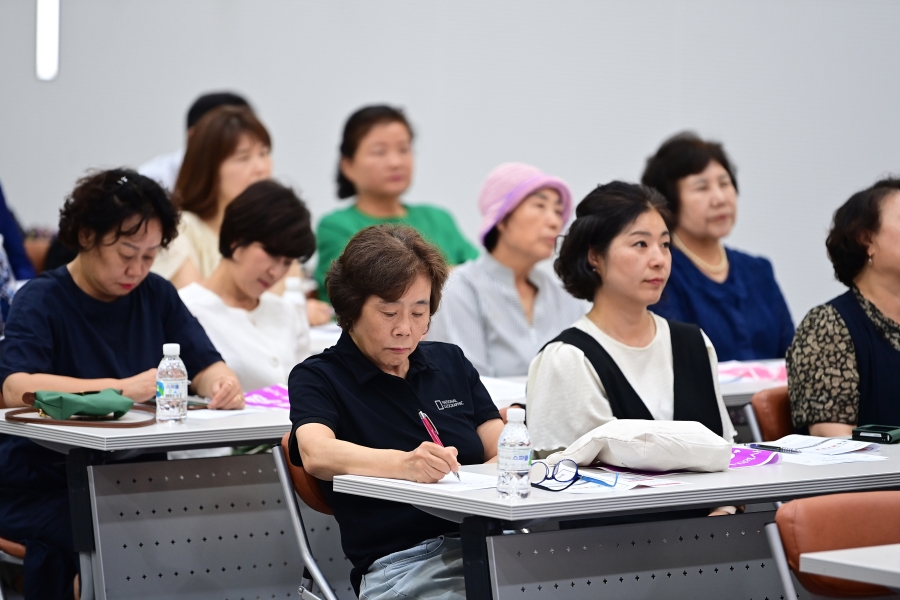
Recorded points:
515,415
293,284
171,349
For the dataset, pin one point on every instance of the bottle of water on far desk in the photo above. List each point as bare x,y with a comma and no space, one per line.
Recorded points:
514,456
171,386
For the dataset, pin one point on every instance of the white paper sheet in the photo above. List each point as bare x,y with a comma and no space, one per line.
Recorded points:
467,482
504,392
812,459
809,444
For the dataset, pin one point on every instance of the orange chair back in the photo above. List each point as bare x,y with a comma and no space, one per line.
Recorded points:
838,522
306,486
12,548
773,413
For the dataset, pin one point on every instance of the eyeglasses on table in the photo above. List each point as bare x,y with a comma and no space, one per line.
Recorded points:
565,471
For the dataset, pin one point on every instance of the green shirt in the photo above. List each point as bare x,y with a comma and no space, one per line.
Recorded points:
435,224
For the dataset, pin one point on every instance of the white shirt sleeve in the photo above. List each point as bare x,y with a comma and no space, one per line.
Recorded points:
565,397
728,431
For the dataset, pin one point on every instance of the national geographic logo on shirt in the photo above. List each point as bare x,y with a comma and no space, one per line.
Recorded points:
443,404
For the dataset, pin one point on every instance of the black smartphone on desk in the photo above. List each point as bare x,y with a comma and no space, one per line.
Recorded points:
880,434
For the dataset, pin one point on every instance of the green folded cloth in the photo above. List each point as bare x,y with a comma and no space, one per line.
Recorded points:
61,405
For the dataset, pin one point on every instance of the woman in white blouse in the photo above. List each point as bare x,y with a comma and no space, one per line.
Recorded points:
501,309
260,335
620,360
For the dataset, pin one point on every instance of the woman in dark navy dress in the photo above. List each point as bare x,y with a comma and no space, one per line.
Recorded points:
731,295
98,322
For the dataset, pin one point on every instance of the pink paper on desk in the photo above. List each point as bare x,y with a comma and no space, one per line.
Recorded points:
752,371
748,457
274,396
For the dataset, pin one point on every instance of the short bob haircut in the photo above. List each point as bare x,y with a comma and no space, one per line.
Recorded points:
103,201
271,214
853,226
382,261
680,156
357,127
603,214
214,139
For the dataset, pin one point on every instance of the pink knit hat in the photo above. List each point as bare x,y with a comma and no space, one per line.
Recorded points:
508,185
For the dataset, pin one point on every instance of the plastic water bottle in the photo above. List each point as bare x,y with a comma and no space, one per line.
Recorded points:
514,456
171,386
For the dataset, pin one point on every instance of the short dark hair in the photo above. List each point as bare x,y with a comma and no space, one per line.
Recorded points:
271,214
358,126
207,102
382,261
854,223
682,155
213,141
600,217
103,200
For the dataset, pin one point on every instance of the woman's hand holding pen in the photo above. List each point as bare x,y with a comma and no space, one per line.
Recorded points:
429,463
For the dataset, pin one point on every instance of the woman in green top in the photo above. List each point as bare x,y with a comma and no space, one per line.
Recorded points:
376,167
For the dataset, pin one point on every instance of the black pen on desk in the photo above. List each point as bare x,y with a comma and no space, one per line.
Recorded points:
433,432
774,448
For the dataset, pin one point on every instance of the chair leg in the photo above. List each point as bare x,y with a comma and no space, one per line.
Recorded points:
784,570
297,521
753,423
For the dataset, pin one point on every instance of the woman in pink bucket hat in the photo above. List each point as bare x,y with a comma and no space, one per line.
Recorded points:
500,309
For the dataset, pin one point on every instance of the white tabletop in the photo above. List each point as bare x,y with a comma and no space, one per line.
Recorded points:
753,484
269,424
873,564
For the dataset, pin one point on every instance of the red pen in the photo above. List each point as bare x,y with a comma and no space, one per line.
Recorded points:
433,432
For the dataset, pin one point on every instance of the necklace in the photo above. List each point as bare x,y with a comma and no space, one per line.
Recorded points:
719,268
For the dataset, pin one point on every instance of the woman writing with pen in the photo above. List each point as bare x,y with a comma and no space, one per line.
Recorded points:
356,408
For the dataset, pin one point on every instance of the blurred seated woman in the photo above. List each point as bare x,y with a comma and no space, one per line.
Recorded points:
259,334
98,322
844,364
620,361
354,410
499,308
731,295
376,168
228,150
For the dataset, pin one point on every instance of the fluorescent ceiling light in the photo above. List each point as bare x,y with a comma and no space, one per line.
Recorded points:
47,40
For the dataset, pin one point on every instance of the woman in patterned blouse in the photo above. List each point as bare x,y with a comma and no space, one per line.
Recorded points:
844,364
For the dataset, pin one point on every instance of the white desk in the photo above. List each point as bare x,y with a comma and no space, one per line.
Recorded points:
269,425
874,564
198,528
484,515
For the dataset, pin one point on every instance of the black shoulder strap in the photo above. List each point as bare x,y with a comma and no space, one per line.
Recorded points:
695,392
623,400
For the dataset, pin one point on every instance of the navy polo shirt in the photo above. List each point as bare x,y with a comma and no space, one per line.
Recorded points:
56,328
346,392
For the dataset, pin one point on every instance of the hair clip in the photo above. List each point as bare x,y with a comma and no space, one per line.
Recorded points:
122,180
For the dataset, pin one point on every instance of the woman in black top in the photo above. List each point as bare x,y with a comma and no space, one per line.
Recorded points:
844,362
98,322
355,411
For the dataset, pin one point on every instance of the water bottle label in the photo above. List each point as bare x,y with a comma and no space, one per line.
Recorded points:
514,459
175,389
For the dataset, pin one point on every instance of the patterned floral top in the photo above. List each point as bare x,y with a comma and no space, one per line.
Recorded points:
823,380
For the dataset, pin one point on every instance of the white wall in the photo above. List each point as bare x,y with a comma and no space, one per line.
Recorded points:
803,93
